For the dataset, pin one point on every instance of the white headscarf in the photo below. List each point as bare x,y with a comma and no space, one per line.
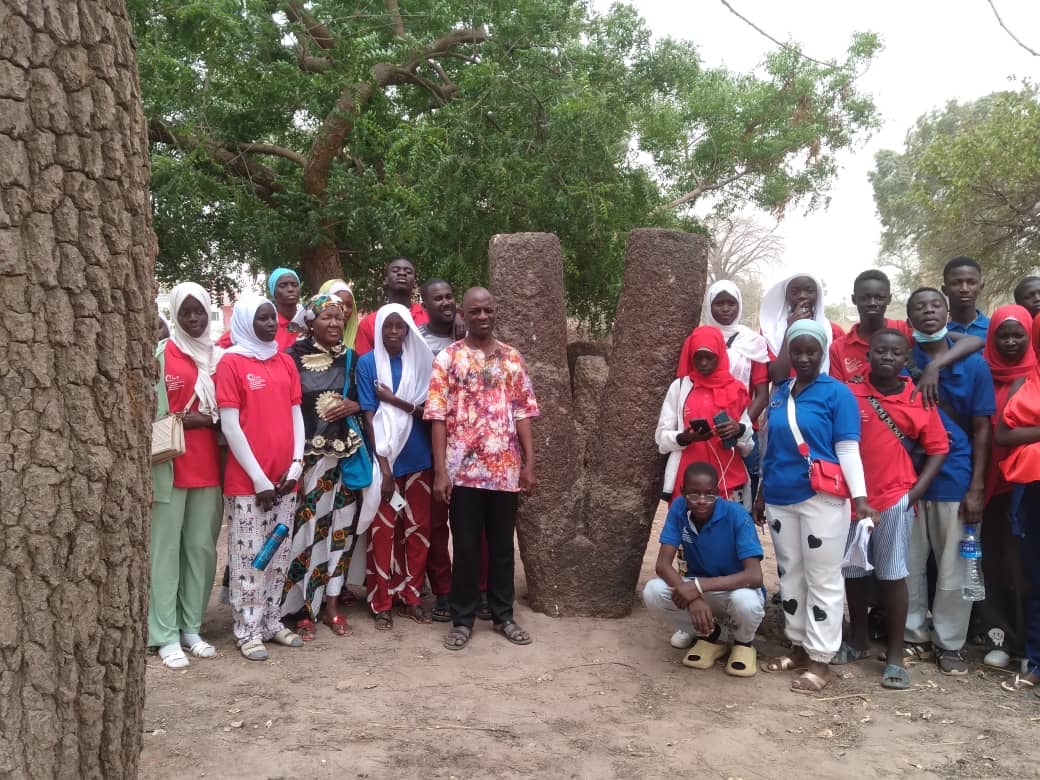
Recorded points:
390,425
243,338
201,350
775,311
746,347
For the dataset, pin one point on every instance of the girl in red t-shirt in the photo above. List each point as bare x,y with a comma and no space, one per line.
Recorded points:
258,392
186,507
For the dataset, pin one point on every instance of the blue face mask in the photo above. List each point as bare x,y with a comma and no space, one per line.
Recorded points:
924,338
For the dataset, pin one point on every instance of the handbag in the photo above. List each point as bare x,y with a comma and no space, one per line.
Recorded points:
824,476
913,447
168,430
355,471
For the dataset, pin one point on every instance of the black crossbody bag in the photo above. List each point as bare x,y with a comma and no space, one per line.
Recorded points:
913,447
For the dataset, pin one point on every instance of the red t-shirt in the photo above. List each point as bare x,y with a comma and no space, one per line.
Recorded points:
849,361
700,405
886,463
283,337
365,341
199,466
264,393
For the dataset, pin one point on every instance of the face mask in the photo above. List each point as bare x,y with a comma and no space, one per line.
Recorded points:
924,338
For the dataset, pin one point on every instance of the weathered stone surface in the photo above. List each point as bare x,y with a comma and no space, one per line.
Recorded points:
526,277
588,379
584,530
661,291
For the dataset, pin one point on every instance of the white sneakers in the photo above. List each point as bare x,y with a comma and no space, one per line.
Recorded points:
681,639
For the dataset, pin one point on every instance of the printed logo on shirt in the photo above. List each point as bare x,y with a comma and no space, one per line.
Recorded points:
853,366
174,382
255,382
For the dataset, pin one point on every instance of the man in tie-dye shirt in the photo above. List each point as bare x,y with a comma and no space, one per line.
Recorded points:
481,402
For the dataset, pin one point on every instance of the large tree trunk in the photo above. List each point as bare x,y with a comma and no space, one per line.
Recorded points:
76,400
583,532
318,264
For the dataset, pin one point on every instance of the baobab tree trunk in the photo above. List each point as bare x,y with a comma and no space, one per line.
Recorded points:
583,531
76,400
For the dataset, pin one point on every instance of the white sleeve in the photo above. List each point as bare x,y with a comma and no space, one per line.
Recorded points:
852,467
296,468
239,446
668,424
746,443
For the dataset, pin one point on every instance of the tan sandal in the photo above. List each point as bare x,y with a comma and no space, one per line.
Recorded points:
703,654
1018,684
287,638
783,664
743,661
813,682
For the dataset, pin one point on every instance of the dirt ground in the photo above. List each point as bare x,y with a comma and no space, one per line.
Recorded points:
588,699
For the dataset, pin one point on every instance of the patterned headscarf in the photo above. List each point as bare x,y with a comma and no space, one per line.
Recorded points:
350,327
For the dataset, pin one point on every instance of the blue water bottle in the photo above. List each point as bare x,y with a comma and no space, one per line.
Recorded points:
273,542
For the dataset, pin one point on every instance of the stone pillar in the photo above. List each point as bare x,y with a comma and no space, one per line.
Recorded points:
584,531
661,293
526,278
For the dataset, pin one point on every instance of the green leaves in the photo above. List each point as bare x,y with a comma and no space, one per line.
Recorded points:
968,183
563,120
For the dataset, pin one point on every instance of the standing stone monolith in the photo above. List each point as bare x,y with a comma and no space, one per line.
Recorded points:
526,278
584,531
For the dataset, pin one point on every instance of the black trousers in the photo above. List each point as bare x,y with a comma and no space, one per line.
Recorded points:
475,512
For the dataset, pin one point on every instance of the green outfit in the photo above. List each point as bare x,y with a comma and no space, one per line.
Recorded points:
185,526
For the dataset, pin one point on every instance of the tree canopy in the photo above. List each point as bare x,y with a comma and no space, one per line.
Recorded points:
334,134
966,183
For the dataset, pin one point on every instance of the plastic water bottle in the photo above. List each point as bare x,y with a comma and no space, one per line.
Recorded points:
973,589
271,544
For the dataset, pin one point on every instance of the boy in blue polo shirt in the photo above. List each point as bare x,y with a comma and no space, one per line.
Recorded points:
724,573
956,496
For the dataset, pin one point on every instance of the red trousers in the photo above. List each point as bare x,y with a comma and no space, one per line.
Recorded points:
438,564
396,563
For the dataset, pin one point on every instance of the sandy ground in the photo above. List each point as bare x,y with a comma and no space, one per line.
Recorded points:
588,699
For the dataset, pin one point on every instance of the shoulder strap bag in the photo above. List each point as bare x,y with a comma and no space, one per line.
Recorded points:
168,430
912,446
824,475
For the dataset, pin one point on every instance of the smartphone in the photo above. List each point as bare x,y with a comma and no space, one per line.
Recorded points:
397,502
721,418
700,426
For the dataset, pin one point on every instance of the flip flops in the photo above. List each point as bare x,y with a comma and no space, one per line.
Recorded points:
743,661
703,654
1018,684
895,678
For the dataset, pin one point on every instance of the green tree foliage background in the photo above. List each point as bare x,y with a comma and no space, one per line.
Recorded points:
966,183
334,134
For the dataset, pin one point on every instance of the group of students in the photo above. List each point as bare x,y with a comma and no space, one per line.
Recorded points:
366,437
878,448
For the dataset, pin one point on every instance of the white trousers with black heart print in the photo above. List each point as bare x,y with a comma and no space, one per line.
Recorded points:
809,541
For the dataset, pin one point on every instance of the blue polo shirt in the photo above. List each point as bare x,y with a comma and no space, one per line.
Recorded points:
721,546
827,413
967,387
416,455
978,327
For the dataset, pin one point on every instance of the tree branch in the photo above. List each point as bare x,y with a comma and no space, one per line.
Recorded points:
277,151
261,179
395,15
701,188
781,44
1008,31
339,122
316,31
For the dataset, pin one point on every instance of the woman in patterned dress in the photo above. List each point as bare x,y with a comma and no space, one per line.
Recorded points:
324,534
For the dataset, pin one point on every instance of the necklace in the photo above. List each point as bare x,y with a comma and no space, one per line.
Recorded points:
322,359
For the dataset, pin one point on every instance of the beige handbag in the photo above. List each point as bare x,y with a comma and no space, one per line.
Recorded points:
168,436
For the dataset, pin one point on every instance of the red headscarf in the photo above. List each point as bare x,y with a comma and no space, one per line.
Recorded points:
1006,371
728,392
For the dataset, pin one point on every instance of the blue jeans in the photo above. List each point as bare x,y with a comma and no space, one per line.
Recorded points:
1029,518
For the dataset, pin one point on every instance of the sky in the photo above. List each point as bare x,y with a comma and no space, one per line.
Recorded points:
933,52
